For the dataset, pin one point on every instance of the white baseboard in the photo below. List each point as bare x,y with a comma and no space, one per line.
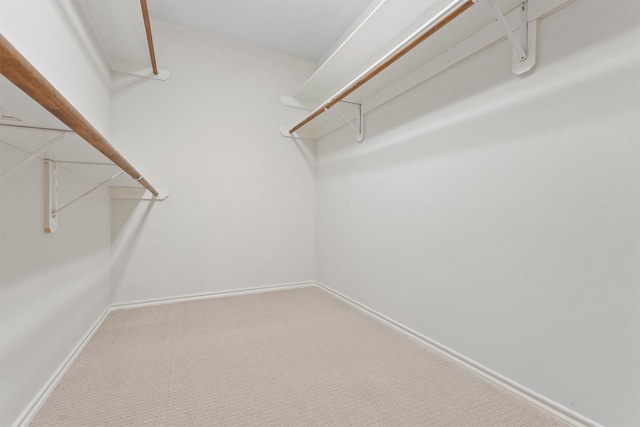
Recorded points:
558,411
208,295
27,415
541,402
25,418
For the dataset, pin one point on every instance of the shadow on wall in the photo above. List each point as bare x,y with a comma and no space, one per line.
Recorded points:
68,13
414,126
53,286
30,254
129,218
307,149
70,295
123,82
455,99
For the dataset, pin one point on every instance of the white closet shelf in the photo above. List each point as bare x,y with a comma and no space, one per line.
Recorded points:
478,25
120,30
22,74
22,144
61,140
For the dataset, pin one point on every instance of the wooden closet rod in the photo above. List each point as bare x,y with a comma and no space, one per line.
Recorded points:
19,71
147,28
445,16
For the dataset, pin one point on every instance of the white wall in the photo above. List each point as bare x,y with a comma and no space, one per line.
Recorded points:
241,210
52,287
42,33
494,214
499,215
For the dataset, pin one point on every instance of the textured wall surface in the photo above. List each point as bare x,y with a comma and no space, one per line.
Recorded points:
241,210
499,215
53,288
494,214
42,33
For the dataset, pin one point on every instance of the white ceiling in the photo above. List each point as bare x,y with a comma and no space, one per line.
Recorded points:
301,28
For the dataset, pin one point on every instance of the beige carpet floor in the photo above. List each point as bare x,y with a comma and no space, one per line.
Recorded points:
298,357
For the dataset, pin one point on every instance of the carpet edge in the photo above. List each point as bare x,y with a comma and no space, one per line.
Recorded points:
29,412
544,404
209,295
552,408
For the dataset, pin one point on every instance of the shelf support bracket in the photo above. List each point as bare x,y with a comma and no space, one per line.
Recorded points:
31,156
51,194
359,120
523,40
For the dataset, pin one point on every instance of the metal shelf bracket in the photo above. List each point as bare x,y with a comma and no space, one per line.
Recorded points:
523,39
51,194
356,121
359,119
31,156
